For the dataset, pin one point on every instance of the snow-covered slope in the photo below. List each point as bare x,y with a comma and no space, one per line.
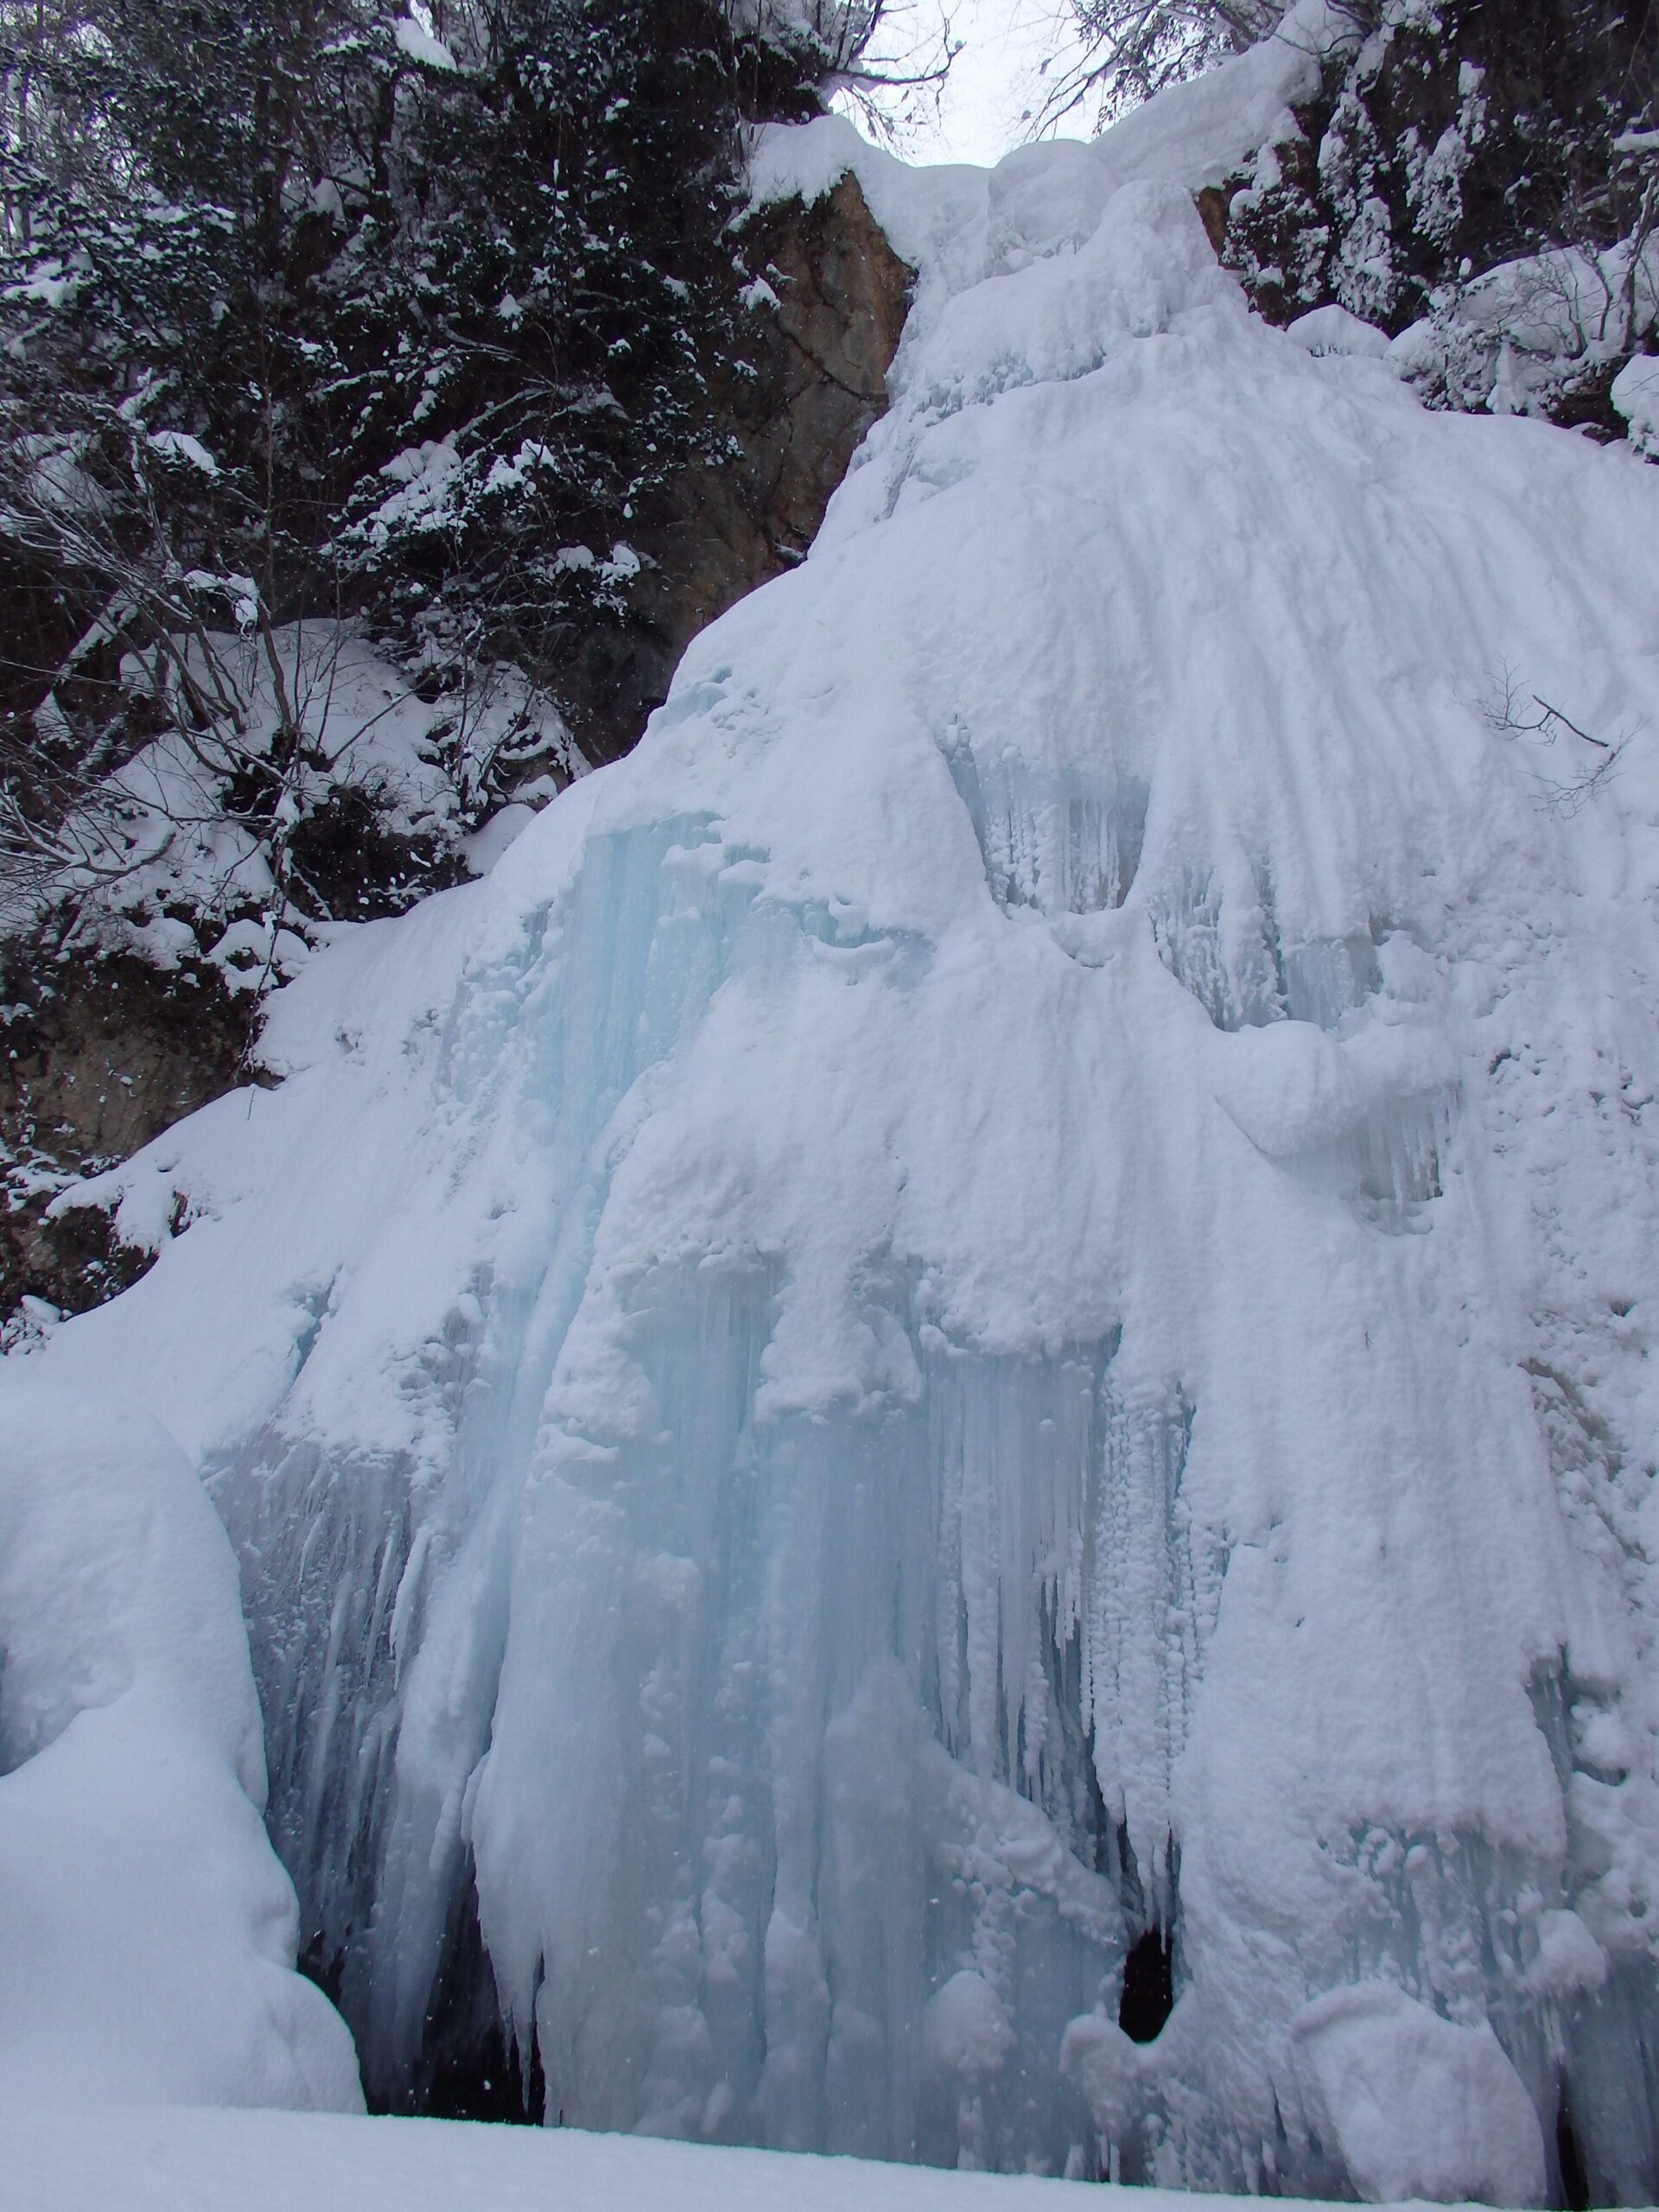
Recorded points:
1001,1293
272,2161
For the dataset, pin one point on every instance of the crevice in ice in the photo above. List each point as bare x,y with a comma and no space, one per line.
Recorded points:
1148,1987
1600,1999
324,1551
1551,1698
1060,841
1604,1495
1609,2089
1606,2080
313,1305
1573,2183
1234,957
469,2066
1389,1166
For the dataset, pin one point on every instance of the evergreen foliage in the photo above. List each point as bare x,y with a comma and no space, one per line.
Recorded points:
318,306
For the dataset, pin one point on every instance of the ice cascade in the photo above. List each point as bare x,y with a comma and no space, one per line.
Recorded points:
989,1313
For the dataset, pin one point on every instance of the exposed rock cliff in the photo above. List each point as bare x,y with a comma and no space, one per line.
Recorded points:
97,1057
827,308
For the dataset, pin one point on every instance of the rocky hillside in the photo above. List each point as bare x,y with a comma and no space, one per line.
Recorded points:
139,997
1479,182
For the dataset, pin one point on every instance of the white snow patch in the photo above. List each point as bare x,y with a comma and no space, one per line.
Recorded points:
416,38
178,445
1636,395
273,2162
1332,329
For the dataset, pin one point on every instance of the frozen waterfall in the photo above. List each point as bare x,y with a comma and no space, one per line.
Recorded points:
992,1308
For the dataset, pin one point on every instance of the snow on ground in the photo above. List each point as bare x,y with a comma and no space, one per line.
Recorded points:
269,2162
1002,1291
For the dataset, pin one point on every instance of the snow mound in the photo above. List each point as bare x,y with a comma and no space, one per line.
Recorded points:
1634,393
1417,2106
1333,330
150,1933
1000,1296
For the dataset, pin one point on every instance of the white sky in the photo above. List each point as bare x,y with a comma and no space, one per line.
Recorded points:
994,85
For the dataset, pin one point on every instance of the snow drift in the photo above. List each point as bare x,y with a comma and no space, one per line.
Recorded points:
150,1933
270,2162
999,1296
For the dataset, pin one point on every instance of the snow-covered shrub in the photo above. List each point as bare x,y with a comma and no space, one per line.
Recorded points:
1634,393
1486,178
1545,334
833,34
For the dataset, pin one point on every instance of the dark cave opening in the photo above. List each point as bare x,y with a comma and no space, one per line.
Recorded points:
1575,2183
1148,1987
469,2067
483,2083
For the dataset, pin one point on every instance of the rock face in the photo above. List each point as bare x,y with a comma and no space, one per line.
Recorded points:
826,309
94,1064
820,381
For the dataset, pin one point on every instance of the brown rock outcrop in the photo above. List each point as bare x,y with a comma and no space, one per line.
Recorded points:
97,1057
787,419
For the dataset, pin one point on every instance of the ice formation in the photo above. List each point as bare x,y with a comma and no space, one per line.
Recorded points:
148,1954
994,1303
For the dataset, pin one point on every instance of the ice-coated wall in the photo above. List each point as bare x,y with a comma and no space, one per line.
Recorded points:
998,1299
